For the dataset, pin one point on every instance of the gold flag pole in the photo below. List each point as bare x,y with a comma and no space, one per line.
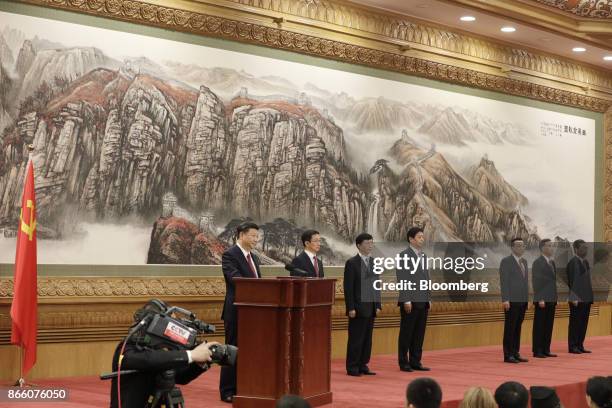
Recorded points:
21,381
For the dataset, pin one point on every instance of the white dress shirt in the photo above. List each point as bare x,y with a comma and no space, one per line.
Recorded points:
311,255
246,254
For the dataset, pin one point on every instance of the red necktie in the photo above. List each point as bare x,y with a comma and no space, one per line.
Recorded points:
316,265
250,262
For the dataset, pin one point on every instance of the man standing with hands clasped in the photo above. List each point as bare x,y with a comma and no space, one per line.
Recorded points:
544,281
515,291
414,304
362,306
580,297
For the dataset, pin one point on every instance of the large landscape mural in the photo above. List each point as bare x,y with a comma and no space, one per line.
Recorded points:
152,151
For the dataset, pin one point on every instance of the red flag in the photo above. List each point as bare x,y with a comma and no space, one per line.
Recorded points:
23,308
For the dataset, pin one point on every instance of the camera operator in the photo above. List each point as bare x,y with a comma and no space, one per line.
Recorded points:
136,388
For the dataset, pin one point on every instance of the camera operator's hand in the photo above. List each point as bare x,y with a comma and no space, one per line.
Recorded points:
202,354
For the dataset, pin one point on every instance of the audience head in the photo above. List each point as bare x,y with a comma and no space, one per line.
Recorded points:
511,395
478,397
292,401
544,397
416,237
311,240
423,393
599,392
517,245
248,235
365,243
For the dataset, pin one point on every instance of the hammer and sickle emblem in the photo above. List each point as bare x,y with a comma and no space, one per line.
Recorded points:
31,227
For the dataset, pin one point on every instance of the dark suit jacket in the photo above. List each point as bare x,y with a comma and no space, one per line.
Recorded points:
579,281
303,262
359,294
234,265
136,388
514,287
544,281
418,298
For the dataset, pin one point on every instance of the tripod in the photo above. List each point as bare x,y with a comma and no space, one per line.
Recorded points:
166,394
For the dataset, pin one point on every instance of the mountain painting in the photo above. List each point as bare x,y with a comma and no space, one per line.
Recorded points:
151,151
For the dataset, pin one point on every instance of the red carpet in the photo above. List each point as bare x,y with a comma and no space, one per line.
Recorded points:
455,370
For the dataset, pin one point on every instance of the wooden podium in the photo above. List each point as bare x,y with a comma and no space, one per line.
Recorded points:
284,340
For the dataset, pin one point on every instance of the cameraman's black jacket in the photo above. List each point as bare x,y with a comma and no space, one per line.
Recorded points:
136,388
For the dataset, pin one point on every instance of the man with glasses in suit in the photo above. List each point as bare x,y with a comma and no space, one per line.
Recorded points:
308,260
414,304
362,305
513,274
580,297
544,282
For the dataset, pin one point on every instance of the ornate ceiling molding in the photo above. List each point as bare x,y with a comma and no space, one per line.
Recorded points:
582,8
595,31
397,28
222,27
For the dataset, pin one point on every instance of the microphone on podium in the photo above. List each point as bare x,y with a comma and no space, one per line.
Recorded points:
296,271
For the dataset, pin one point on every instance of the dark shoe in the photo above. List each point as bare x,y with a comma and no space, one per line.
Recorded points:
511,360
539,355
582,350
419,368
228,398
550,354
575,351
353,373
520,359
367,372
405,368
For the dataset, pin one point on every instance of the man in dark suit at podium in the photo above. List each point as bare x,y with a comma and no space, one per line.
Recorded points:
308,260
362,306
237,262
414,304
513,274
544,281
580,297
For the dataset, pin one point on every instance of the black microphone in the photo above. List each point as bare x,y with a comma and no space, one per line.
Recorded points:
297,271
116,374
